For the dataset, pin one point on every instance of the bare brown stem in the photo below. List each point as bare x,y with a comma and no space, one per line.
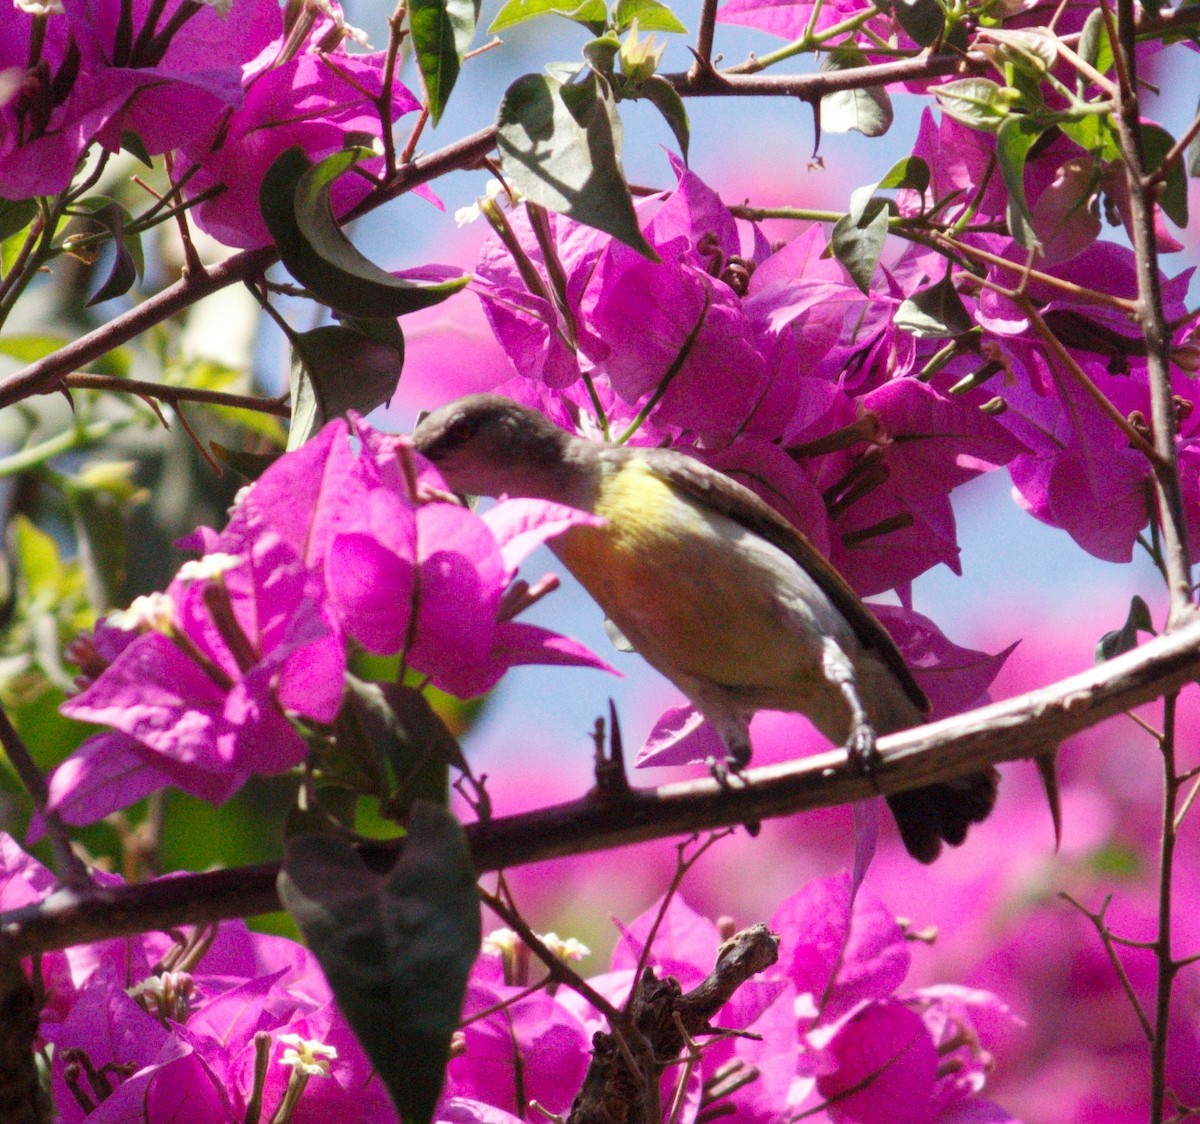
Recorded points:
1152,321
1163,955
175,394
1108,940
704,37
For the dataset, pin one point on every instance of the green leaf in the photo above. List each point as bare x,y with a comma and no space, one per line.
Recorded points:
601,54
442,31
857,244
1156,143
29,348
978,103
396,947
911,173
15,216
1125,638
665,98
128,261
560,145
38,562
133,144
650,16
294,200
250,466
340,367
866,110
1094,132
103,550
1095,47
395,724
1015,137
934,313
924,20
591,13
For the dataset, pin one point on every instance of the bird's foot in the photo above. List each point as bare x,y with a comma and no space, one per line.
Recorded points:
723,772
860,748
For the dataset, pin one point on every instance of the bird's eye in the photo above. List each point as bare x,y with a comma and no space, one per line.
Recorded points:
462,430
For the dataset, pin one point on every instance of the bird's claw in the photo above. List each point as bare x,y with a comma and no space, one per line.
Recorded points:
860,748
723,771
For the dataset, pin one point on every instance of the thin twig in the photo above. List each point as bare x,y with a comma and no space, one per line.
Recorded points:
1164,957
683,864
557,969
71,869
1084,381
1106,939
175,394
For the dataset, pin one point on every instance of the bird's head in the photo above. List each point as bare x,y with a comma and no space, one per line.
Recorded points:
485,445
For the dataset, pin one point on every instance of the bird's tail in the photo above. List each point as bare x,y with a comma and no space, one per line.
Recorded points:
935,813
942,812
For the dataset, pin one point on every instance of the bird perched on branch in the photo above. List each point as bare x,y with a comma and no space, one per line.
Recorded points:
715,589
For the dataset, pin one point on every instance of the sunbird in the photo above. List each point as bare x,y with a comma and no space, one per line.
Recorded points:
716,590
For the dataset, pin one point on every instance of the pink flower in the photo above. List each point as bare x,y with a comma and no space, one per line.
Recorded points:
315,99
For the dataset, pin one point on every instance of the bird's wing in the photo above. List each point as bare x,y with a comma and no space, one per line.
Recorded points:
716,490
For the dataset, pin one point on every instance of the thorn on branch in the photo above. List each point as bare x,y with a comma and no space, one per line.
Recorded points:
611,779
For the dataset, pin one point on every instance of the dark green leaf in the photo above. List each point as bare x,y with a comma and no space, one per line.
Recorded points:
442,31
560,145
132,144
1096,133
15,216
1015,137
867,110
111,216
912,173
978,103
665,98
395,947
1094,46
924,20
342,367
1156,143
935,312
857,245
1125,638
650,16
294,199
601,54
396,724
591,13
250,466
103,550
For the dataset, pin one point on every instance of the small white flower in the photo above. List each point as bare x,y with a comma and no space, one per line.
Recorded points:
39,7
494,193
154,611
307,1055
499,942
210,566
568,949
